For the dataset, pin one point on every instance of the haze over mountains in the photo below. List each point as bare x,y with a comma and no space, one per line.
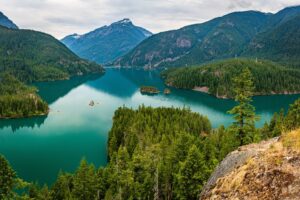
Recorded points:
240,34
107,43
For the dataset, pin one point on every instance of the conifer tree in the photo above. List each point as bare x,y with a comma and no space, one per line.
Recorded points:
191,176
84,182
7,179
293,116
244,112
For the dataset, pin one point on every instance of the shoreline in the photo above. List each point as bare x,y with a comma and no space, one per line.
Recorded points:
48,111
26,117
205,90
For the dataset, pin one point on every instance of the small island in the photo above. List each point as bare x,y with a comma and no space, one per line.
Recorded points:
167,91
149,90
92,103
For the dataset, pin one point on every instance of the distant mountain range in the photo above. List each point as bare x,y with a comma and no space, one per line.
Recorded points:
240,34
107,43
6,22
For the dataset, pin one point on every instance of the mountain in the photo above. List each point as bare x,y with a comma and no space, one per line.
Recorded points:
215,78
281,43
70,39
4,21
35,56
224,37
107,43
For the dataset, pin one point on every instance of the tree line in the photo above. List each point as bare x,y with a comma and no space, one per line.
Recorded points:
268,77
18,100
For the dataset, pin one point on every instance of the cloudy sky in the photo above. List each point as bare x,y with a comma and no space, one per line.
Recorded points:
63,17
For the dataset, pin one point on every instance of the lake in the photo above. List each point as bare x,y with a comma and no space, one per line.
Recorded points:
38,148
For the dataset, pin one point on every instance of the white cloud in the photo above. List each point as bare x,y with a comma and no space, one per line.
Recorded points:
63,17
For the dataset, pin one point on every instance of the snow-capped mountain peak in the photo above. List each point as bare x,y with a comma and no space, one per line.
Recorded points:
76,36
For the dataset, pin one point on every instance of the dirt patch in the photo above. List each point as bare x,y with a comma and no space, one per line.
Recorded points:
202,89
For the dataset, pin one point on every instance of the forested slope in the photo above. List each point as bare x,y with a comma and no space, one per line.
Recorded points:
35,56
18,100
240,34
280,44
29,56
221,37
216,78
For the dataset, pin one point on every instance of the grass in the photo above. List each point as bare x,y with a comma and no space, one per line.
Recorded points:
291,140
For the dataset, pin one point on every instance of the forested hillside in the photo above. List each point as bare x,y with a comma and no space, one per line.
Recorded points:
216,78
281,44
221,37
35,56
248,34
18,100
29,56
162,153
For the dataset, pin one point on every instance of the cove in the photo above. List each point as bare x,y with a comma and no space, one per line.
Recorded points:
38,148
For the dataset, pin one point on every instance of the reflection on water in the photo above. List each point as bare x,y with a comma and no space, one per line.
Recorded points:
52,91
38,148
16,124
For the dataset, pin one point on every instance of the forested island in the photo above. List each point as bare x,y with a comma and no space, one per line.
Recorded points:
216,78
149,90
158,153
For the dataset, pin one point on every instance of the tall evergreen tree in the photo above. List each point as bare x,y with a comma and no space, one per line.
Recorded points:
7,179
192,175
244,112
293,116
62,187
84,182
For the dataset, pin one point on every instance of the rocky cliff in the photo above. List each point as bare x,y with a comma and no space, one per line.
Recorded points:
268,170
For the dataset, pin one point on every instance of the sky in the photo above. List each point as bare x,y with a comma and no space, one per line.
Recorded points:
63,17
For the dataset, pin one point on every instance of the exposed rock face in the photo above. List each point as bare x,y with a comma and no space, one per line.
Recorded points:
269,170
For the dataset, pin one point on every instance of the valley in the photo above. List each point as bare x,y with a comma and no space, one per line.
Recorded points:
123,113
77,130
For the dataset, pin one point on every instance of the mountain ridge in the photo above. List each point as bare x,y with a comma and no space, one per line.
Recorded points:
35,56
222,37
107,43
6,22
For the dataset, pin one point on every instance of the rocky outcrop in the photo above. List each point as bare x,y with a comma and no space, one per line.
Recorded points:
268,170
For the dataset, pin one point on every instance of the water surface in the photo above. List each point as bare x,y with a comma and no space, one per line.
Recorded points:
38,148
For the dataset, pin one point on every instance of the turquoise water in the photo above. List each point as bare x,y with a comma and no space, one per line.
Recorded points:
38,148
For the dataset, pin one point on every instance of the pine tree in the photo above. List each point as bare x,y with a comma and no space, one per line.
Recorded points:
293,116
62,187
7,179
192,175
244,112
84,182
